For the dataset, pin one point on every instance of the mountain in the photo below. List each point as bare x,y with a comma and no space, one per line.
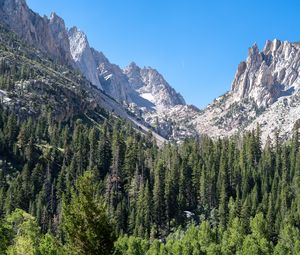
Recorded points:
143,91
264,93
134,86
114,82
70,47
152,86
31,84
81,173
83,56
48,35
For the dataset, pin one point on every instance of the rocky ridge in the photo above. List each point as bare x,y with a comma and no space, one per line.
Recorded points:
48,35
71,47
265,92
82,55
37,85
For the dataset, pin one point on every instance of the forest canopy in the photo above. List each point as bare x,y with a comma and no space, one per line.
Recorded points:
79,188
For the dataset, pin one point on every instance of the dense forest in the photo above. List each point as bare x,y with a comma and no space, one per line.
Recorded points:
79,188
92,183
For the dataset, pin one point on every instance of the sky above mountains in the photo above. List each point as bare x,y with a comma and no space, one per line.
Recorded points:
196,45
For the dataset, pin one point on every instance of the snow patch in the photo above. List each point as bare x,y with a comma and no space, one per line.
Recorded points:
148,96
3,96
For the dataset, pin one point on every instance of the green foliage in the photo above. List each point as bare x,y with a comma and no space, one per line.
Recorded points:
289,241
50,246
131,246
26,233
6,236
85,220
256,243
235,196
237,193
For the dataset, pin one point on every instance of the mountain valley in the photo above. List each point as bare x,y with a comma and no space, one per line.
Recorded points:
100,159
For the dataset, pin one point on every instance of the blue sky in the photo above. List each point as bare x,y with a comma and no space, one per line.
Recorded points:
195,44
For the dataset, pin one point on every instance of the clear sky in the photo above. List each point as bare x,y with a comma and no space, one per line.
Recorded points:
195,44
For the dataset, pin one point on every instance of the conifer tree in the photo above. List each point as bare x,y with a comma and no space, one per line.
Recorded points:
86,224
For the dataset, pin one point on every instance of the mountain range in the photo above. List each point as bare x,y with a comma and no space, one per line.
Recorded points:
264,92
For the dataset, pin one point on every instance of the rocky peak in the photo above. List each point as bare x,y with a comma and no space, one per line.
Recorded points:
99,57
36,30
132,67
254,57
83,56
163,93
113,80
151,85
271,46
133,73
269,74
60,37
265,92
78,42
54,19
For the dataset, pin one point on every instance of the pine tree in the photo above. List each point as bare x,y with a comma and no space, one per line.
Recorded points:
85,221
158,197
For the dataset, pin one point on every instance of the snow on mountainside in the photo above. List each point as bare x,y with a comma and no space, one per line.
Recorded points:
143,91
151,84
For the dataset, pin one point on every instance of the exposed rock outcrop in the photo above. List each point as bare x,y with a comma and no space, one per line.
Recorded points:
141,90
265,92
151,85
83,56
36,30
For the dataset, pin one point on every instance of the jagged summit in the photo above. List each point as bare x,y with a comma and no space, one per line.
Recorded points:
56,19
269,74
264,92
144,91
36,30
151,85
132,64
82,55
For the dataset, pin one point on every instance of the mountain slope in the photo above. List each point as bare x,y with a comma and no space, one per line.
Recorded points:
152,86
48,35
71,48
265,92
32,84
82,55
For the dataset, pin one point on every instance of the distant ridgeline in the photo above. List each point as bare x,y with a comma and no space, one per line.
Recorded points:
76,178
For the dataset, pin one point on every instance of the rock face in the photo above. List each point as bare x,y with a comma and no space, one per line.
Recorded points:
38,31
60,37
113,80
63,91
268,75
265,92
83,56
151,85
143,91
